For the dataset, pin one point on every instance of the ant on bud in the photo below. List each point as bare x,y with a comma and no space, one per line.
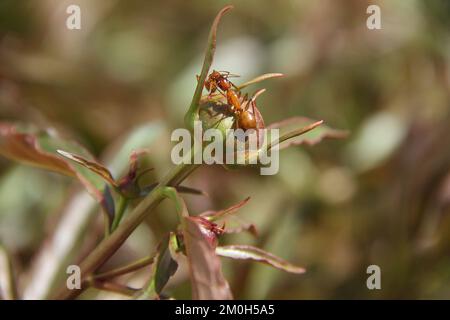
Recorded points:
239,108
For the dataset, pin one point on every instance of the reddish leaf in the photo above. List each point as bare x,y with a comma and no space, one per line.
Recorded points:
205,267
253,253
39,148
25,148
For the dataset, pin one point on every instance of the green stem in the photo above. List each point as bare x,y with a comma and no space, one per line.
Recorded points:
110,245
136,265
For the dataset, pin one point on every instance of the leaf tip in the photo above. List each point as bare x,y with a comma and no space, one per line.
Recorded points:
63,153
67,155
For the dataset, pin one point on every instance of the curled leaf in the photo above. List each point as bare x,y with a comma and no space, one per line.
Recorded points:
246,252
91,165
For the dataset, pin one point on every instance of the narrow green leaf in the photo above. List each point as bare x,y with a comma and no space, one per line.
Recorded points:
301,130
192,113
207,280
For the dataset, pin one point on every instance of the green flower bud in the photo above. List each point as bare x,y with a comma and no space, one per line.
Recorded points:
215,113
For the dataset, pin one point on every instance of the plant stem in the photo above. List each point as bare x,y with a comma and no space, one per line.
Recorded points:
110,245
136,265
115,287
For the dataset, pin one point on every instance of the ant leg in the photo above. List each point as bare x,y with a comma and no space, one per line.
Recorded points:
222,93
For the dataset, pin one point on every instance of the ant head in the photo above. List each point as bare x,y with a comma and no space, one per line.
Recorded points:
215,75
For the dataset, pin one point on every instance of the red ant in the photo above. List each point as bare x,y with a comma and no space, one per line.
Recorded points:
218,80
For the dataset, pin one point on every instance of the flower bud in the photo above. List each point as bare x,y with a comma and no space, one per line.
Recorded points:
215,114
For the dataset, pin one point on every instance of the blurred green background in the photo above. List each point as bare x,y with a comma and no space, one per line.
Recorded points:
382,196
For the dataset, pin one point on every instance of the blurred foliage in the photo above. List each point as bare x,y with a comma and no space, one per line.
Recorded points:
380,197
